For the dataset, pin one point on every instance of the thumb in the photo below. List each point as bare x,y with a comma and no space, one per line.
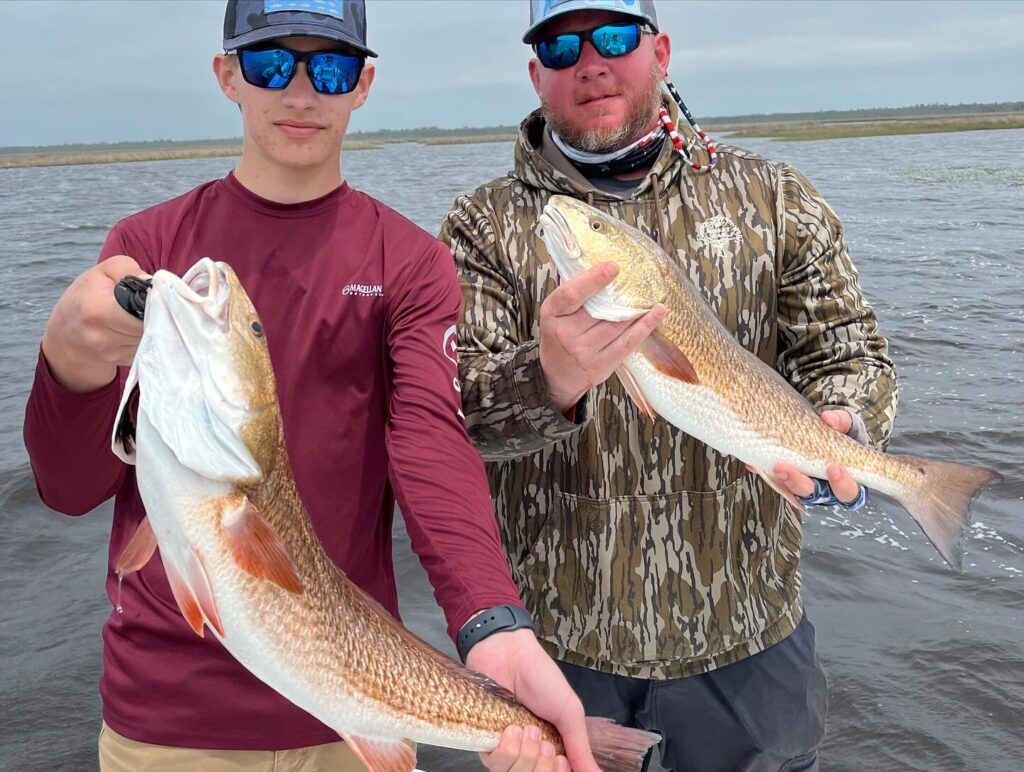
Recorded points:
572,726
117,267
840,420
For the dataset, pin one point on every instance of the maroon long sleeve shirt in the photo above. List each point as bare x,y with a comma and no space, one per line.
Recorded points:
359,306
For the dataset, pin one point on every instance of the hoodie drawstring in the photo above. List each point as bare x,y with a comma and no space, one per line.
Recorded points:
660,216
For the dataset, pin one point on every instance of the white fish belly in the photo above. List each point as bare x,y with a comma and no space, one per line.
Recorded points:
322,693
700,412
179,505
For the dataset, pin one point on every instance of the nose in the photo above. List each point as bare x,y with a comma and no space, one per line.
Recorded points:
591,64
300,92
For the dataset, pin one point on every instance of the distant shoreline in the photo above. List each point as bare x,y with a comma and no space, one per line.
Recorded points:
773,127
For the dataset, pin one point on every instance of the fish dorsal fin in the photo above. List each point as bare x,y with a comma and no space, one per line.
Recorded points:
138,550
634,390
666,357
382,755
195,596
256,546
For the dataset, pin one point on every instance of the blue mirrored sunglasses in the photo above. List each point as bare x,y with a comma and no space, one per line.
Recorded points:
610,40
274,67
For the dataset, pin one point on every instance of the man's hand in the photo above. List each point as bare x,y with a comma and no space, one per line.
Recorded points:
844,487
578,351
516,661
89,334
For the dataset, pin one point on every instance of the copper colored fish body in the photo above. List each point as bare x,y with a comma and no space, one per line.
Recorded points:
692,372
243,559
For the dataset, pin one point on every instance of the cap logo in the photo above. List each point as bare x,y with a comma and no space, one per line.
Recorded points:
335,8
543,7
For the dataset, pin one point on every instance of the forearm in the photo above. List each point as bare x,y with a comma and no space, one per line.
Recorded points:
67,436
830,347
509,412
437,475
441,488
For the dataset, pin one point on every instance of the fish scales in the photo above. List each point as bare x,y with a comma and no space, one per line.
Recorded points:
693,373
243,559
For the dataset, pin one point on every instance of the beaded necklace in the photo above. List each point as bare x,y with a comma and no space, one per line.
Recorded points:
666,121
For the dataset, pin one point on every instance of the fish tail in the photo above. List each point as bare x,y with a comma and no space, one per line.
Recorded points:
618,748
941,503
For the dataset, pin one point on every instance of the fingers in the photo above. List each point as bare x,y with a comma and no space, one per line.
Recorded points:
569,297
797,482
630,339
845,487
98,308
522,749
88,333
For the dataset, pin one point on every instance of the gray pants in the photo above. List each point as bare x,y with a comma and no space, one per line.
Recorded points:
765,713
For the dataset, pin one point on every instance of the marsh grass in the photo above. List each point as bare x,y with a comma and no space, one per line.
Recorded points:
775,128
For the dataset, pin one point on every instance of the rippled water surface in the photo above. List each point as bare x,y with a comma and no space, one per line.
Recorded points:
926,666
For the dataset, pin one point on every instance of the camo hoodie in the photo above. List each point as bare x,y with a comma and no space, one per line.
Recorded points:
639,550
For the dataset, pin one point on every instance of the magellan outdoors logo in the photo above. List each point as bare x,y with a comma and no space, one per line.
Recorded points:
365,290
450,348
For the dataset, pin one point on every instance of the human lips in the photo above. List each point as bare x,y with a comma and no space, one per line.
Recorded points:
590,98
299,128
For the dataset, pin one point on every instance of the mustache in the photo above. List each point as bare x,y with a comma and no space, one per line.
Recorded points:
591,95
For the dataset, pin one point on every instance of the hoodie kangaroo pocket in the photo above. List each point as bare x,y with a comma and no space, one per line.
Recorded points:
638,579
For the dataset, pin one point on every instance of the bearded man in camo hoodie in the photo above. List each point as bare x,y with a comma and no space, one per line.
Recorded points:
663,576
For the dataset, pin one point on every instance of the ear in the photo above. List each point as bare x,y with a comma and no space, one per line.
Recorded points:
363,86
535,73
226,69
662,52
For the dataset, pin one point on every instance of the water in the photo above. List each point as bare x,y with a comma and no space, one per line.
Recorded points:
926,667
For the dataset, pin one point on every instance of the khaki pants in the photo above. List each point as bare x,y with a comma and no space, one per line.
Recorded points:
119,754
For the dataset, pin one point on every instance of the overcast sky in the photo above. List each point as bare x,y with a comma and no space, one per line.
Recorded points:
117,70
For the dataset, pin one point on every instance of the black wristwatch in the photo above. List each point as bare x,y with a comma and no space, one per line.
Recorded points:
493,620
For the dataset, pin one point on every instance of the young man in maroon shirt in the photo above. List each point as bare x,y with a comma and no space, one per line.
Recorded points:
359,306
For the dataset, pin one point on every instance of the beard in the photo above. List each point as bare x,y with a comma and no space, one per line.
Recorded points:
643,106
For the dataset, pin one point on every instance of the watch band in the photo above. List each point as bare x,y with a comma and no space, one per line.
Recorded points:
488,622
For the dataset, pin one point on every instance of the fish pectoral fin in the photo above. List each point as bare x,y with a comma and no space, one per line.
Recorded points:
666,357
195,596
138,550
382,755
257,548
782,490
634,390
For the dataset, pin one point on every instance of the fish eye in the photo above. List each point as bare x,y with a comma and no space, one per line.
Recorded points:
257,328
596,225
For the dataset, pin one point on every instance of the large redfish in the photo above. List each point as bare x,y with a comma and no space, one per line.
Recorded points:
242,558
693,373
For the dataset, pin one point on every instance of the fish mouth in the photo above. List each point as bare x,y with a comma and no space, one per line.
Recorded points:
204,285
557,234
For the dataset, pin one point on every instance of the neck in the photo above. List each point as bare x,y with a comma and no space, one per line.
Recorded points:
631,161
284,184
636,174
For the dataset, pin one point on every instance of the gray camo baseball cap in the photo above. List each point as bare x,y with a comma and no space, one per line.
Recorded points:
543,11
247,22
